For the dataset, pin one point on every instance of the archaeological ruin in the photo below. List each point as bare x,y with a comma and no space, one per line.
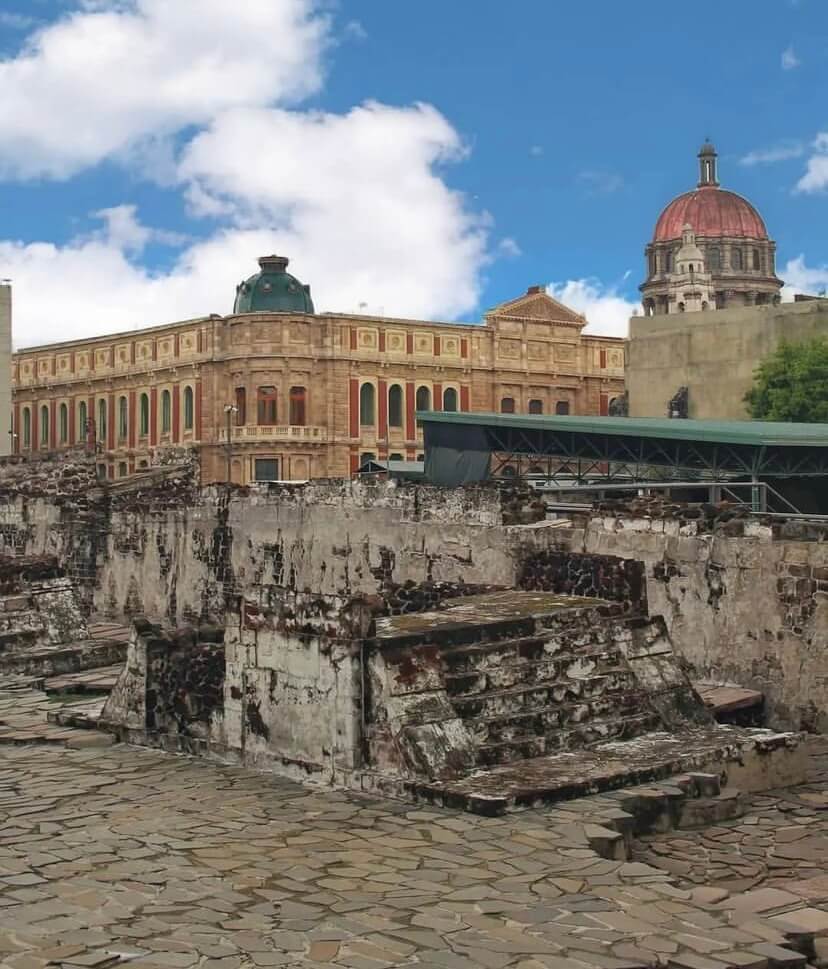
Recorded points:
619,676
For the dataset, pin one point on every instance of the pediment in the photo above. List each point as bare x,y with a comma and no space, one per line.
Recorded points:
539,307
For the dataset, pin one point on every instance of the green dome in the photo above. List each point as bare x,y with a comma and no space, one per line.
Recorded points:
273,290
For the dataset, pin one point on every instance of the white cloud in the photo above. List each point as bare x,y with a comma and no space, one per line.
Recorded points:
789,59
607,311
354,30
784,151
600,181
354,199
104,78
509,248
801,278
815,178
193,94
93,284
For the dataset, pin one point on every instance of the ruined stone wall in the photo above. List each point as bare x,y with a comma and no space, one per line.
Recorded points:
743,601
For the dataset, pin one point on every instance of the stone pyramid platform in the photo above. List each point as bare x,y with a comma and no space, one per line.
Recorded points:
516,699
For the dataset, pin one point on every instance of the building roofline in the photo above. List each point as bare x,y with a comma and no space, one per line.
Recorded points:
108,337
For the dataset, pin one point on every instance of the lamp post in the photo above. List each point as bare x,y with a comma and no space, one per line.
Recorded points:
229,411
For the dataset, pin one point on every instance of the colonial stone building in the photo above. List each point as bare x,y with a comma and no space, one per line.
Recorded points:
277,391
710,250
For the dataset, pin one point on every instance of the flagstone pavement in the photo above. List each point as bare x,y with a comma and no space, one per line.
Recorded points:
119,855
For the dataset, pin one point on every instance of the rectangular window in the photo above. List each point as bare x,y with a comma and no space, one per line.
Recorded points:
266,469
603,359
267,405
297,406
241,406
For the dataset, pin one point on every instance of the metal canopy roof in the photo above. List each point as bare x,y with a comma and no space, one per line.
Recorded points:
754,448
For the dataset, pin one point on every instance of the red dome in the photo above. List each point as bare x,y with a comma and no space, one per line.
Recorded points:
711,212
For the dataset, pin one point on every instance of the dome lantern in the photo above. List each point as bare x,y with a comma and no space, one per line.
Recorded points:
708,177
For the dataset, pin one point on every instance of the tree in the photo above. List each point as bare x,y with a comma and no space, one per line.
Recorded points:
791,384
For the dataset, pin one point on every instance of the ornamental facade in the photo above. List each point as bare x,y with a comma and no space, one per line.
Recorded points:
275,391
730,260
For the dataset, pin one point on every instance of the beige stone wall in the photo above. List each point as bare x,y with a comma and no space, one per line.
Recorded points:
714,354
6,439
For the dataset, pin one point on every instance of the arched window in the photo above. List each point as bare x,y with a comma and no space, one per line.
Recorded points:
27,428
509,472
367,408
64,424
297,406
423,400
507,405
735,258
189,409
166,412
123,419
395,457
44,425
100,430
144,422
450,399
366,458
562,408
82,431
241,406
714,259
757,264
535,406
395,406
266,405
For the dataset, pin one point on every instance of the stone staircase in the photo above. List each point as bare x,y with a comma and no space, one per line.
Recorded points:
530,696
522,699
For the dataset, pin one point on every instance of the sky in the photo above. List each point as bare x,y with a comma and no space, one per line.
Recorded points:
424,160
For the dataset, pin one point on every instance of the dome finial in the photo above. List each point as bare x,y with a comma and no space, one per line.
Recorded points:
707,165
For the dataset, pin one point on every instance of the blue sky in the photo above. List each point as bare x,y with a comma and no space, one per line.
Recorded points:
425,160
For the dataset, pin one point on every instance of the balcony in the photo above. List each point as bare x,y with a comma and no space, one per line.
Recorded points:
288,433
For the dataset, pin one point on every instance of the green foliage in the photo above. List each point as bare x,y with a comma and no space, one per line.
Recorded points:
792,384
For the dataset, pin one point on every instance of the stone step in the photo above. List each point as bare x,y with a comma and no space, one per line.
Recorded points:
546,718
47,733
567,696
478,656
81,716
100,680
551,671
704,811
57,660
580,736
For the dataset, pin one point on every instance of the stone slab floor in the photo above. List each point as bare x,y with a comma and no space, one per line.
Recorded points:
119,855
